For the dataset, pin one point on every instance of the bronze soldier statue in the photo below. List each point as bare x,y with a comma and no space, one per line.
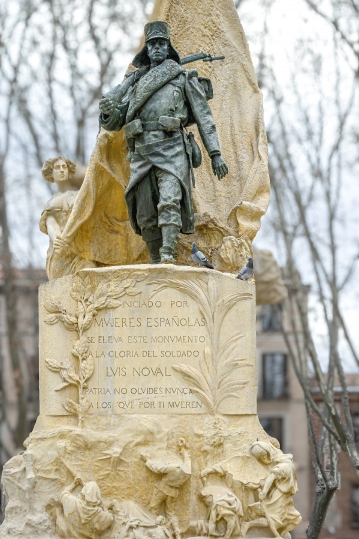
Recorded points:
154,104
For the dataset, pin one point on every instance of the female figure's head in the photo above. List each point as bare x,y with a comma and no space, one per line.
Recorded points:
58,170
91,494
263,452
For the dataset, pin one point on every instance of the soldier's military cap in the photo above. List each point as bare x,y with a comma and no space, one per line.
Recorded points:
156,30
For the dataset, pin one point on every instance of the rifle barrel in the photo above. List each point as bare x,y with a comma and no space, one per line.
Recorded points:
194,57
212,58
200,56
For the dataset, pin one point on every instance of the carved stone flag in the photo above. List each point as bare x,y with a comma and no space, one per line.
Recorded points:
227,212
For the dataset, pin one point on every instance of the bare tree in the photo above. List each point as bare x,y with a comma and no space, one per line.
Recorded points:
313,156
343,16
307,217
17,425
56,59
74,50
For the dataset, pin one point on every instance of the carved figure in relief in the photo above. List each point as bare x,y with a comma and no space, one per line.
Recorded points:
137,528
175,472
275,504
223,506
134,522
18,474
236,469
161,531
83,516
24,508
154,104
60,259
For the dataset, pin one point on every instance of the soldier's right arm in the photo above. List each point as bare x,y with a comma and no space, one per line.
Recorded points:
114,104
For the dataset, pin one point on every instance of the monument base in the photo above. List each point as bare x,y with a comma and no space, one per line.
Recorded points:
148,426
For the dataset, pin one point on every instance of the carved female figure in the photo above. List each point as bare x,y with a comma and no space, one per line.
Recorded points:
83,516
275,494
60,259
223,505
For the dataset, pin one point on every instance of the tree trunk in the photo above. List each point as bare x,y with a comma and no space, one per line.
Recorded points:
10,294
324,493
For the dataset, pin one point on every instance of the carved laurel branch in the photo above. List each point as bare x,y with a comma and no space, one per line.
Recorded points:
214,382
89,301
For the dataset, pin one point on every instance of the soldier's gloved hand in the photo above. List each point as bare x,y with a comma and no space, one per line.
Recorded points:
219,167
106,105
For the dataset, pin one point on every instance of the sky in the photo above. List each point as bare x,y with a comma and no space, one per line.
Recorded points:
292,30
293,33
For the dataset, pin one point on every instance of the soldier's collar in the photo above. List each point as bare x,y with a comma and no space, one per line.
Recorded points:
152,81
168,64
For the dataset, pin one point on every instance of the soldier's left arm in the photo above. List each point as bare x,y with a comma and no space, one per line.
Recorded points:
207,128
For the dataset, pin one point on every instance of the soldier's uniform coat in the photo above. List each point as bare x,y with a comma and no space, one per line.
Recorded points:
165,90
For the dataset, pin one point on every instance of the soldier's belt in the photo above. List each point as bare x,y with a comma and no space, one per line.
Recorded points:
153,126
164,123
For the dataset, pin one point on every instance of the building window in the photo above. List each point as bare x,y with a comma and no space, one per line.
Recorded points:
355,506
275,384
356,428
273,427
271,316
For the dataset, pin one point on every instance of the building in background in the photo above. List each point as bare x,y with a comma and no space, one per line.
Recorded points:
342,521
26,290
281,407
281,411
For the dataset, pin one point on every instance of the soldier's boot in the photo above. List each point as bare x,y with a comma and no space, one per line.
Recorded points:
169,243
154,250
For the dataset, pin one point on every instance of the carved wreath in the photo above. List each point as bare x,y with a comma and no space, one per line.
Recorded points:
89,301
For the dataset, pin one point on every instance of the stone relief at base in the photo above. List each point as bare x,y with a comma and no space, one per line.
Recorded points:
183,455
148,424
142,479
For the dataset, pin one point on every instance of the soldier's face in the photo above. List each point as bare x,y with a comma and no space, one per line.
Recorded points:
157,50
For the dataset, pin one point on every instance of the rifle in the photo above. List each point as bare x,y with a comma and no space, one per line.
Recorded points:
200,56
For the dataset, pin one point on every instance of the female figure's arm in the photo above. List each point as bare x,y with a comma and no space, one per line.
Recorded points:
53,229
66,494
267,485
54,233
254,486
216,469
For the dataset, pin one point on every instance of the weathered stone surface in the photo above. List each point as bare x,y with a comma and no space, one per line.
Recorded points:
149,336
270,287
98,228
120,454
139,436
60,259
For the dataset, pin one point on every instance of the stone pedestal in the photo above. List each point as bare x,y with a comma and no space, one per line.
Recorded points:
148,424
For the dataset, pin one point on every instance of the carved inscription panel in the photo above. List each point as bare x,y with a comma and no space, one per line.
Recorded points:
147,340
